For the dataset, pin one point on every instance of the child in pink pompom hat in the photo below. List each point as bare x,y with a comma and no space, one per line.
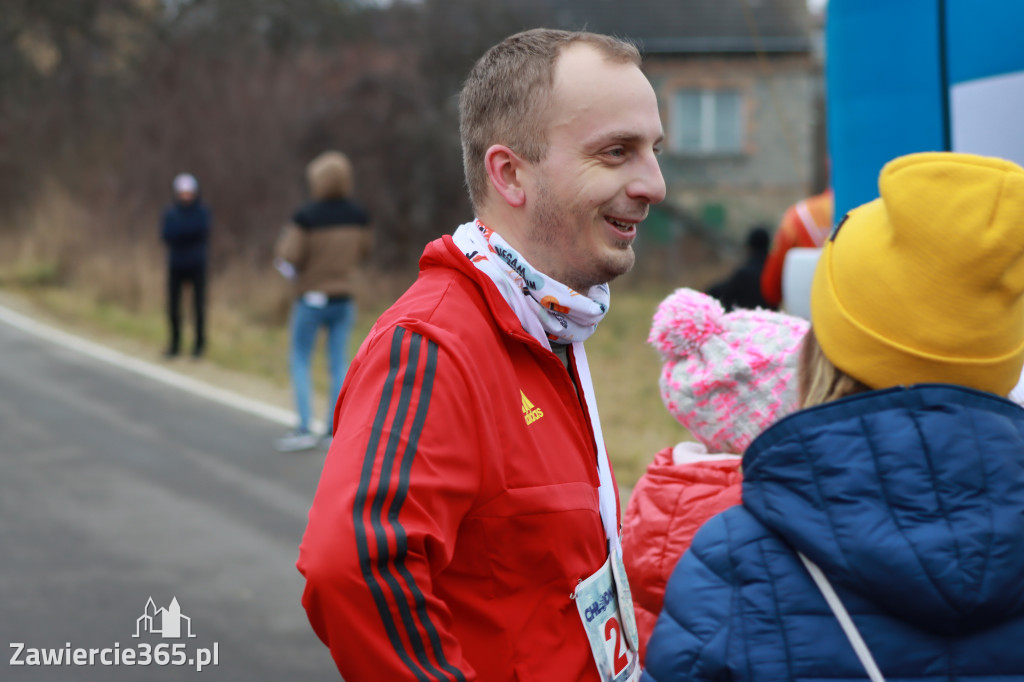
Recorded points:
726,377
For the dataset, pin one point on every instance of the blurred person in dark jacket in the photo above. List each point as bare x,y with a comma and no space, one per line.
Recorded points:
320,251
742,289
186,232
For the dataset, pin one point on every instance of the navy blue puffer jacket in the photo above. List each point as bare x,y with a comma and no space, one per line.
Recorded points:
911,500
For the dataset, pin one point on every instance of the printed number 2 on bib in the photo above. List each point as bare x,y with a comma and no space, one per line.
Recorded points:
598,605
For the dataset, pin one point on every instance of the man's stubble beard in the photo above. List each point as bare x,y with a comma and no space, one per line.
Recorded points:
550,224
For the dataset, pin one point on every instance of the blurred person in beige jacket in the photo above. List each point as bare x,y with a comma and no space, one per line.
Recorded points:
321,251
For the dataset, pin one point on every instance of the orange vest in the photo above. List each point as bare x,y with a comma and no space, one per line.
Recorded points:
806,223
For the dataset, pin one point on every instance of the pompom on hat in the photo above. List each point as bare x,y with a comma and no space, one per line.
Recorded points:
727,376
925,283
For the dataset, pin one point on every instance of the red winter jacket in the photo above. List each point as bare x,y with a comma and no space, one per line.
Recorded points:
458,505
668,506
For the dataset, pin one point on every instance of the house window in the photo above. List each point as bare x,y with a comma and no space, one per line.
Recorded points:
707,122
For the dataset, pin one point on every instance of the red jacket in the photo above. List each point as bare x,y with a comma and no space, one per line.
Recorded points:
458,505
668,506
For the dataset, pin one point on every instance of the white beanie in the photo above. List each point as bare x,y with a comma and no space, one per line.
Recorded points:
184,182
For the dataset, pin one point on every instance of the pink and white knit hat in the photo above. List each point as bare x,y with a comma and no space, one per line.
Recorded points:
727,376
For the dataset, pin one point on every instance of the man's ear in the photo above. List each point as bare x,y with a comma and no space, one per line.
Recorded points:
504,168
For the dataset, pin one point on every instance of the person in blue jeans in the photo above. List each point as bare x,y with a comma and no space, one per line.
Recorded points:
321,251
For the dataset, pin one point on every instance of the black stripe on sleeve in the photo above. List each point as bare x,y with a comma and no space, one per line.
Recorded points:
403,409
384,560
396,504
362,545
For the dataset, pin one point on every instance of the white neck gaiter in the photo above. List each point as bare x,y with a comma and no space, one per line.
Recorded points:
565,315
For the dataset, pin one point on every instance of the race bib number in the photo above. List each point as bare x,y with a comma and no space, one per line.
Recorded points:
597,600
626,609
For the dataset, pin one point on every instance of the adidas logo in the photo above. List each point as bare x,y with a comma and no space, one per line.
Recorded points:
530,412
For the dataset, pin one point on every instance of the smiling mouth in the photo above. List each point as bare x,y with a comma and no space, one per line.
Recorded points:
620,225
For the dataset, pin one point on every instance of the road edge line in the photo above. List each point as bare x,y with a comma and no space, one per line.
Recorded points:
147,369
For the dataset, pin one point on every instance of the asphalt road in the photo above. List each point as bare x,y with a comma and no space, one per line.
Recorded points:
116,488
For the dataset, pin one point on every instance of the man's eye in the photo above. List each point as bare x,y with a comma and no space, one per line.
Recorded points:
617,152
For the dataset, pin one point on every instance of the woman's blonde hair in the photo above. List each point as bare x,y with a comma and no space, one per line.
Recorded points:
818,380
330,176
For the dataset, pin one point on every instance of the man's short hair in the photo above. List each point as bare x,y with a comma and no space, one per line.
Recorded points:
507,93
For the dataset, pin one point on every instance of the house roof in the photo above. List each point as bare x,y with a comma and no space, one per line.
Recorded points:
686,26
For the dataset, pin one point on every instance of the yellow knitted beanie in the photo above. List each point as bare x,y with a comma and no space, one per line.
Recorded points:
925,283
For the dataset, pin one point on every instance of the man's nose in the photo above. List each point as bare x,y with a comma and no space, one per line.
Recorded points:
649,183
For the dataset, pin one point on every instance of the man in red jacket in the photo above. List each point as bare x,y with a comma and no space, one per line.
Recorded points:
466,526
